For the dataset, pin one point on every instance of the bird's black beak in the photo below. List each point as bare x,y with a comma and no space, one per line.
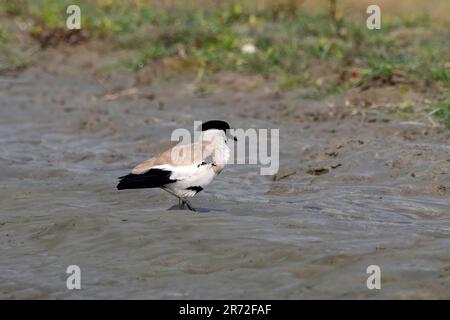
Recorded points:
235,138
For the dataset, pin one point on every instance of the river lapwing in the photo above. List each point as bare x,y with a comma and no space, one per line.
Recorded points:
184,170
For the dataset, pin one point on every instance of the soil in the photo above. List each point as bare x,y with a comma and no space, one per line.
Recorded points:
354,188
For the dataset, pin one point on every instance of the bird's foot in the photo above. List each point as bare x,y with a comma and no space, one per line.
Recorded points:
189,205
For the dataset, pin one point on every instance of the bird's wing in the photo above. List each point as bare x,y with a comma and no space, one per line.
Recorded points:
178,156
152,178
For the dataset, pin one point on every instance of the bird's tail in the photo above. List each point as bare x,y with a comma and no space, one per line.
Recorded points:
154,178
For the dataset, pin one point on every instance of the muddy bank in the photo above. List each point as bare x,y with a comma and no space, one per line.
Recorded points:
353,190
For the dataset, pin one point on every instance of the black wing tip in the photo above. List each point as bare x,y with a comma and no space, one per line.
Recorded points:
153,178
120,186
124,181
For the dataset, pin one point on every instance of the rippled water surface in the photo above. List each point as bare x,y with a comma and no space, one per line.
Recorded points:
303,236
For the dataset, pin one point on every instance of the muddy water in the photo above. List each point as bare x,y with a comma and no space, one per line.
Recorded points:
384,201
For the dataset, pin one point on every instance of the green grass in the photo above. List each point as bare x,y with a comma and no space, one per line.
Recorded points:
12,56
289,41
442,113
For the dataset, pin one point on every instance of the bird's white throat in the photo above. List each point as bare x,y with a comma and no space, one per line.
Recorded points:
217,140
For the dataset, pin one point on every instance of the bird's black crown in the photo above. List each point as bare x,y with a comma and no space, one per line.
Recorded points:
215,124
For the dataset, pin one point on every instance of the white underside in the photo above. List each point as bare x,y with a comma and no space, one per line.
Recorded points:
188,176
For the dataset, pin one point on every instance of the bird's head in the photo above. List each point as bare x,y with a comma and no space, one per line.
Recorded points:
216,128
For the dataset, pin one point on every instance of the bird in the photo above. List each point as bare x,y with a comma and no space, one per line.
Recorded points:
185,170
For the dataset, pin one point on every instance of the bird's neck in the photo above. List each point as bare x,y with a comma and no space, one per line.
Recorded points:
218,143
221,155
221,152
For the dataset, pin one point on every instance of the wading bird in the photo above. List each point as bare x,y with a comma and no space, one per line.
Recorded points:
184,170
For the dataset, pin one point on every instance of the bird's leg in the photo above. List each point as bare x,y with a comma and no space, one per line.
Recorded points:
188,204
181,201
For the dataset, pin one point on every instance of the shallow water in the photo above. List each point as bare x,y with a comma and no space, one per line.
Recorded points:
62,148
